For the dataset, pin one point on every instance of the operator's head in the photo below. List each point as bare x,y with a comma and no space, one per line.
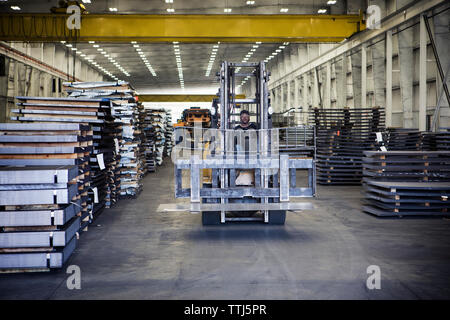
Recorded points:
245,117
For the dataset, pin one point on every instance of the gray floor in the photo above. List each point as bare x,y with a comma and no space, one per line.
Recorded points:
133,252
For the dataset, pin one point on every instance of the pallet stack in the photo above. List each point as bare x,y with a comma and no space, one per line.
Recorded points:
341,137
51,144
400,183
39,216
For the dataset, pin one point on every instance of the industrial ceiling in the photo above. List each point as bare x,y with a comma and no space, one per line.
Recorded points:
176,65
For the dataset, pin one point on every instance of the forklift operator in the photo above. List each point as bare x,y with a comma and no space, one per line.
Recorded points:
245,122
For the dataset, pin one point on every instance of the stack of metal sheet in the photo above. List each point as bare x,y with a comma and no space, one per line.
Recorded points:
100,89
131,166
168,135
436,140
40,209
341,137
142,138
402,139
149,144
51,109
393,198
407,166
44,144
157,118
125,112
84,110
104,162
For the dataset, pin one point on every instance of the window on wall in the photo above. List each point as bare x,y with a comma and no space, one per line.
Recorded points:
429,119
59,85
53,85
2,66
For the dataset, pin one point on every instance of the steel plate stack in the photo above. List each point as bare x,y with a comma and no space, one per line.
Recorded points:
149,145
39,216
399,183
124,110
50,144
131,167
341,137
392,198
157,118
402,139
84,110
436,140
168,135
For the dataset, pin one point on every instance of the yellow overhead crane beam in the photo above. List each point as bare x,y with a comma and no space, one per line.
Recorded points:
180,97
182,28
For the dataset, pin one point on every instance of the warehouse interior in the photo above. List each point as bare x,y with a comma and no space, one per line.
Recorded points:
102,173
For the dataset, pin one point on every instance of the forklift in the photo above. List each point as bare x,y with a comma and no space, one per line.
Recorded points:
265,199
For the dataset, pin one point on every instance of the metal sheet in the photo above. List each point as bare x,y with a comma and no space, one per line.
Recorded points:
45,162
26,218
34,197
37,118
46,127
43,150
40,239
41,138
38,175
54,259
199,207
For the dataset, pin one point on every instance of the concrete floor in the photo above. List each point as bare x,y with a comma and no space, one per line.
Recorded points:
133,252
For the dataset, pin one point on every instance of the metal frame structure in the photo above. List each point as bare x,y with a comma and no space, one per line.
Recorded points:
274,172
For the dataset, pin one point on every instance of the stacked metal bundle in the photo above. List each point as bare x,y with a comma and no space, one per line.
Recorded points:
407,165
131,166
124,110
402,139
94,112
168,135
39,216
436,140
142,138
149,144
51,144
157,118
341,137
407,182
109,90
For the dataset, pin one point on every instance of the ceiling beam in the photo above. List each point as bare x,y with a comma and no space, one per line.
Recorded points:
182,28
181,97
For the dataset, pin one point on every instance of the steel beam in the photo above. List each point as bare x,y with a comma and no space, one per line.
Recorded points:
183,28
181,97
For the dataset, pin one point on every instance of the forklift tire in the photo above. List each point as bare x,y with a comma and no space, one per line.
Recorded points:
210,218
277,217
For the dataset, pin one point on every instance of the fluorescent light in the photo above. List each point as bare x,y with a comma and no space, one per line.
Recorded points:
113,9
284,9
15,8
86,1
169,1
227,10
95,45
330,2
250,2
322,11
170,10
